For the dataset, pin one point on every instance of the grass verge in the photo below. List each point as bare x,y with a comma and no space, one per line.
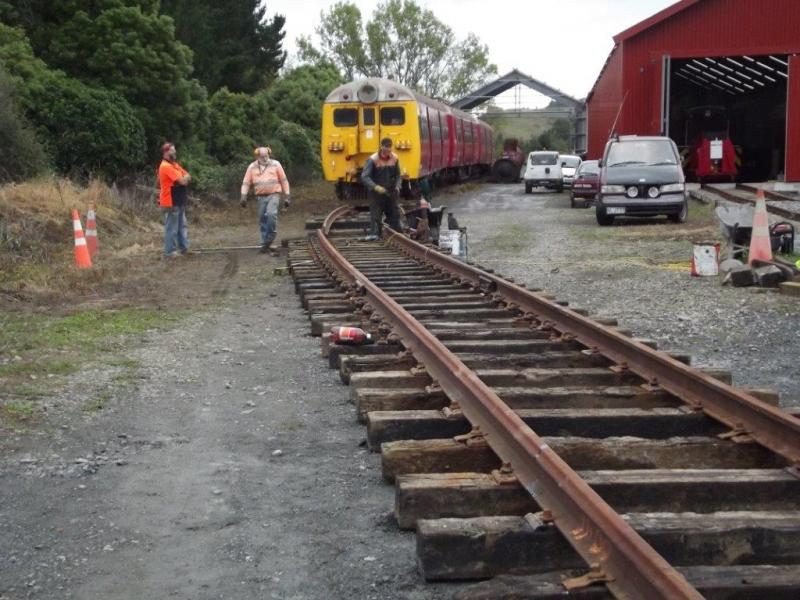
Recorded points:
38,351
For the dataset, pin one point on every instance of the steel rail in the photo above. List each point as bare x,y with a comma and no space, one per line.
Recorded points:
743,413
629,566
775,210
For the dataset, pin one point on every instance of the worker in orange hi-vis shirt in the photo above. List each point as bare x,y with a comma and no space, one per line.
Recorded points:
173,180
266,178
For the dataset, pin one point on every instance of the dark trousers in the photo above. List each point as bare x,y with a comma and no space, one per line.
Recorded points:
382,204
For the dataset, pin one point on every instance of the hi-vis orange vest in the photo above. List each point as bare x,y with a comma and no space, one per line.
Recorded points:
265,179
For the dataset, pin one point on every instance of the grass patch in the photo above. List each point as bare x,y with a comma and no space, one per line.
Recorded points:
18,411
511,239
45,349
99,402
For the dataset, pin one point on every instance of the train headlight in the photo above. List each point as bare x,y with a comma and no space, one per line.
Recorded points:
367,93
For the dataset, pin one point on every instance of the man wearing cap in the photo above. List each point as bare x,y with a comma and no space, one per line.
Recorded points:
267,179
381,177
173,179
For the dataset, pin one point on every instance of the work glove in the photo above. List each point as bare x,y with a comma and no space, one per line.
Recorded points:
243,201
379,189
287,201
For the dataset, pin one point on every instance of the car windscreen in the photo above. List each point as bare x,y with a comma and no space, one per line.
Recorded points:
570,161
543,159
641,152
589,169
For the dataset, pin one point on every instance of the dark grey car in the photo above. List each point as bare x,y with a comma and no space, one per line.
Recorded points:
641,176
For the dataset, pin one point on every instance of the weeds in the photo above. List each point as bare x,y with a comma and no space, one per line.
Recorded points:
45,349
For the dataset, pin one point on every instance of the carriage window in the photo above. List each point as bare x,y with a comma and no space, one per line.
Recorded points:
393,115
369,116
345,117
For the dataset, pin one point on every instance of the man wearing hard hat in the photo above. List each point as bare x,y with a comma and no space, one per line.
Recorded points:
265,176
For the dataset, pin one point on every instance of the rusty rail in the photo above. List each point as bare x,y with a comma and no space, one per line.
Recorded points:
624,561
742,412
776,210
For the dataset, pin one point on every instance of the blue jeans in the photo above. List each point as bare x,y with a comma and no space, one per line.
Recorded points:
268,217
175,231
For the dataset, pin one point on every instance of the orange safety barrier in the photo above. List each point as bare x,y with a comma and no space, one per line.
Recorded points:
82,258
760,244
91,232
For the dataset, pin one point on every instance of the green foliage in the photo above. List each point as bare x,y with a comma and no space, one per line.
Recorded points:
21,155
557,137
292,146
86,130
402,41
298,95
234,44
238,123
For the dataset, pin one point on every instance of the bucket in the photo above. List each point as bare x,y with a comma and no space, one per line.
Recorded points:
705,259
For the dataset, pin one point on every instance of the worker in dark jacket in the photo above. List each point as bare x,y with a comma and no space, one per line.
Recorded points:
381,177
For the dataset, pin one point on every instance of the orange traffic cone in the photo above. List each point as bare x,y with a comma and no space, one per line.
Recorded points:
91,232
82,258
760,245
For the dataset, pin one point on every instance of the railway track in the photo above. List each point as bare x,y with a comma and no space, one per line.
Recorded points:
782,205
540,450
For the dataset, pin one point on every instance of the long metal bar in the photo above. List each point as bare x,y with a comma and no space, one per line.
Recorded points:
771,208
769,426
593,528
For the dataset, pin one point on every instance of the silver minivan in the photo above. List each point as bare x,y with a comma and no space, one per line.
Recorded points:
543,169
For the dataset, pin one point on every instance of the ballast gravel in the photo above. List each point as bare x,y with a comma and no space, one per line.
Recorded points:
638,272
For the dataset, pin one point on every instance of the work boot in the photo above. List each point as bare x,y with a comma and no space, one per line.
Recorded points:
265,247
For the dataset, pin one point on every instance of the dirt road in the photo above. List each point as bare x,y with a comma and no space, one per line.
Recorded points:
233,468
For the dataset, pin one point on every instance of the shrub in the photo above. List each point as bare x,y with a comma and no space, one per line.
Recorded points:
21,155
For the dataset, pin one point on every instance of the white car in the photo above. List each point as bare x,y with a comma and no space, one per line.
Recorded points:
569,166
543,169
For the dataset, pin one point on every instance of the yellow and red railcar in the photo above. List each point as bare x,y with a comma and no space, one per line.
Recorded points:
431,139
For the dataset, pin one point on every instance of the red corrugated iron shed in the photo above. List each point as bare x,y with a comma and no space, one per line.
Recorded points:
688,29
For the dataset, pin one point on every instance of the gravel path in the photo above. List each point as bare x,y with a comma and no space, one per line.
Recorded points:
235,469
637,272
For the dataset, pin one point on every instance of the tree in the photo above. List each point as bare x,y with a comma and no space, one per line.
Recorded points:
86,130
298,95
234,44
238,123
401,41
21,155
119,45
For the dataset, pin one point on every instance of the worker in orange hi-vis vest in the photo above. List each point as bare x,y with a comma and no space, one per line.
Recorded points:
173,180
266,178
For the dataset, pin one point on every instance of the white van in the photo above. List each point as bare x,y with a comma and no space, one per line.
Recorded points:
569,166
543,169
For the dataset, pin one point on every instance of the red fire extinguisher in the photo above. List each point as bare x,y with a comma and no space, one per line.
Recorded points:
351,336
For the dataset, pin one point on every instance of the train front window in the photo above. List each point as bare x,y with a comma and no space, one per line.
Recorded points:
345,117
369,116
393,115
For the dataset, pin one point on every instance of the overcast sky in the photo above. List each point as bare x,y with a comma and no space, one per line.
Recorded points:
563,43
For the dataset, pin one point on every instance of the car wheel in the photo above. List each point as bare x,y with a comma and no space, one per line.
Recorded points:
602,218
560,188
572,200
681,216
528,188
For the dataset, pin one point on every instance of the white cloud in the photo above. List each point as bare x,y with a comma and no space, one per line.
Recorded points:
563,43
